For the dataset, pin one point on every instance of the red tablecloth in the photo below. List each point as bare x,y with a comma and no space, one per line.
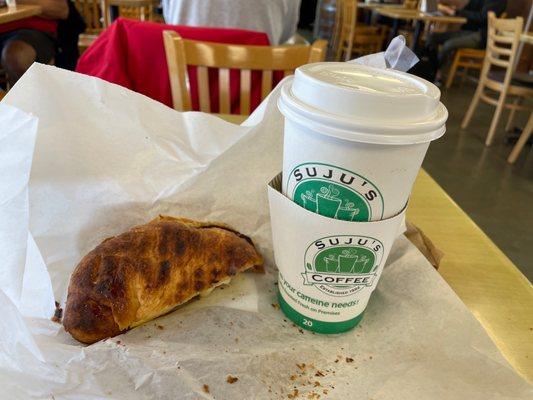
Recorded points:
131,54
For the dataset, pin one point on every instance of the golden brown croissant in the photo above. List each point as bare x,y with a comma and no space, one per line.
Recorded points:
150,270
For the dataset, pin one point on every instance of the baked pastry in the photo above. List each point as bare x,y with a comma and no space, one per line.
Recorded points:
150,270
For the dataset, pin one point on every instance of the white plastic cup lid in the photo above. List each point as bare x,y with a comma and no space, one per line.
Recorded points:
365,104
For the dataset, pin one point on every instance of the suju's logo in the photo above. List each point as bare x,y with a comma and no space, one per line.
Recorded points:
334,192
342,265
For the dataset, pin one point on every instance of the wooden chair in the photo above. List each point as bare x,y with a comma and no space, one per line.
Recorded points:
142,10
467,59
181,53
91,12
411,4
522,140
351,39
502,44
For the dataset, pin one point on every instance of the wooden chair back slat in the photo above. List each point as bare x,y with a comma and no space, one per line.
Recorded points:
224,91
246,83
182,53
502,39
203,89
500,50
266,83
175,50
498,62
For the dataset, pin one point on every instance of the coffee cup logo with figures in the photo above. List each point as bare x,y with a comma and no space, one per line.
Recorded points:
342,265
335,192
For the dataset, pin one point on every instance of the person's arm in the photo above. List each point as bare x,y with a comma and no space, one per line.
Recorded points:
480,16
53,9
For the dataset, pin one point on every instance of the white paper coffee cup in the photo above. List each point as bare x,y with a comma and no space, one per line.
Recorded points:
355,138
328,268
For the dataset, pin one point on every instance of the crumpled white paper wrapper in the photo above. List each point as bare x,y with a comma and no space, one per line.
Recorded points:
106,159
397,56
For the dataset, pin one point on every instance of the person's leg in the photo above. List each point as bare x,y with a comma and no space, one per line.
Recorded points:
436,39
460,40
429,55
22,49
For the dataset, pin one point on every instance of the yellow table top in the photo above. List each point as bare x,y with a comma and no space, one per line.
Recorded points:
489,284
21,11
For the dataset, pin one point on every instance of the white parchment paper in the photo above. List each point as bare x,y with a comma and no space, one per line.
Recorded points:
103,159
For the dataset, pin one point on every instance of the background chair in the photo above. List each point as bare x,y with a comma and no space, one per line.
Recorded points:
467,59
142,10
411,4
91,11
182,53
97,16
502,44
351,39
522,140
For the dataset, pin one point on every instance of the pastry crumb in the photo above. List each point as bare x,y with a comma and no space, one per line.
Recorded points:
231,379
276,306
349,360
58,313
160,327
293,395
301,366
205,388
319,373
292,377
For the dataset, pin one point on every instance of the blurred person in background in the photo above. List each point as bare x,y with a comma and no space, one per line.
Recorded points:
25,41
277,18
473,34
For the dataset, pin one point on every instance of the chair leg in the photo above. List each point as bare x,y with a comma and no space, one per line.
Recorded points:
496,118
453,70
522,140
473,106
509,124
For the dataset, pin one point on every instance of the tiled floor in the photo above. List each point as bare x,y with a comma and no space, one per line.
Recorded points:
496,195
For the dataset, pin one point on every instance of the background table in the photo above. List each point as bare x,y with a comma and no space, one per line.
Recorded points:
19,12
489,284
398,14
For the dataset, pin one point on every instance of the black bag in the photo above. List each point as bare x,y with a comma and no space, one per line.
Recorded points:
68,32
427,66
